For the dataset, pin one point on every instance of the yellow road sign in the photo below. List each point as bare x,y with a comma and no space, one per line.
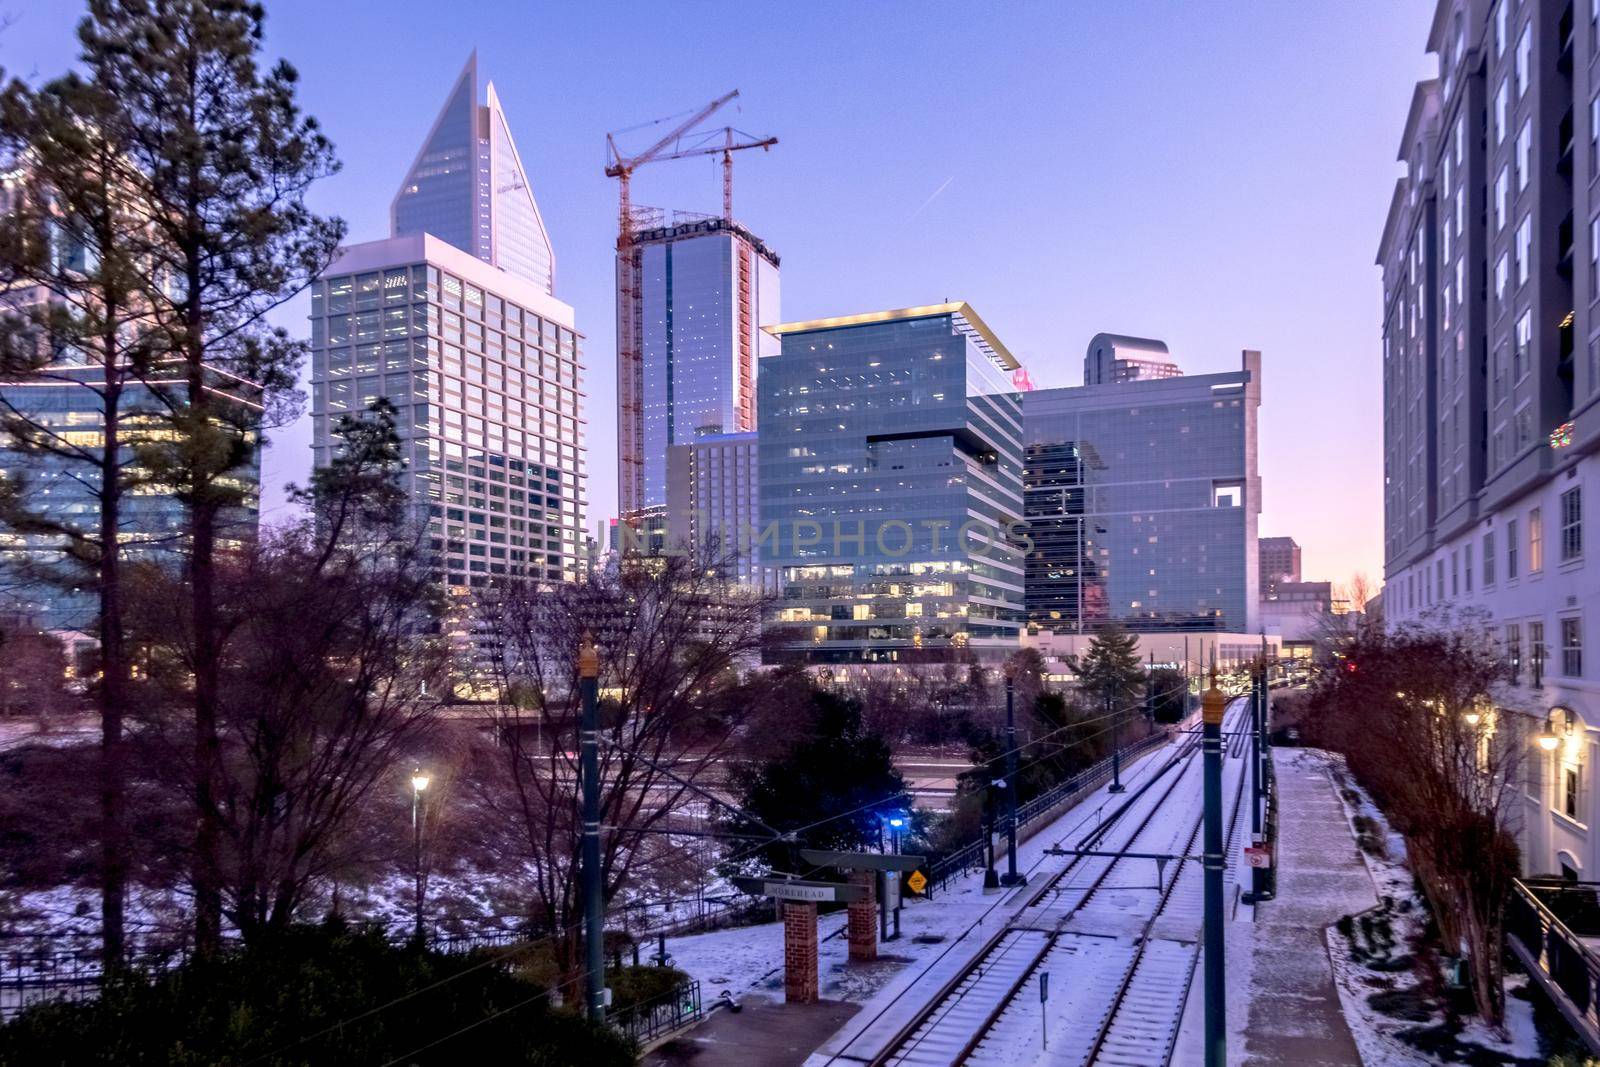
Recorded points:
916,881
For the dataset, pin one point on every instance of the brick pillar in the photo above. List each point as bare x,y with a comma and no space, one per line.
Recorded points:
862,923
799,952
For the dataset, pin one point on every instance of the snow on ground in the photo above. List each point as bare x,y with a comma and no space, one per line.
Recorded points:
1379,990
749,959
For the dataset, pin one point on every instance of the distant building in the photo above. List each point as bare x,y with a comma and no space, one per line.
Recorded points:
452,321
1113,358
701,290
1294,611
484,370
468,187
713,503
1280,562
1142,500
890,475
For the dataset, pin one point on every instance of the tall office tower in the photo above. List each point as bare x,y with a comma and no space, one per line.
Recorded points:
891,475
713,504
1113,357
485,370
468,187
1280,561
1142,503
1490,256
702,289
43,582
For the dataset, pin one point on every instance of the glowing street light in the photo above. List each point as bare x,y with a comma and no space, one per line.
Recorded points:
1473,718
419,785
1548,741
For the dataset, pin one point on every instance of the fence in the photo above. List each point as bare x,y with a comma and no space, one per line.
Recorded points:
1548,920
974,854
661,1016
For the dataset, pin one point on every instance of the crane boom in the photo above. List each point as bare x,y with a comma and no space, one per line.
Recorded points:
621,164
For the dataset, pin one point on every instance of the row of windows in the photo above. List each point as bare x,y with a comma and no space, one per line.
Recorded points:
1431,587
1569,636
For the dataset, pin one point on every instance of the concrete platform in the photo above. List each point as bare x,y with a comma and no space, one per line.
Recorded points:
766,1032
1294,1012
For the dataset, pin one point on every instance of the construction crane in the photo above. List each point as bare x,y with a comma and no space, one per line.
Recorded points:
681,142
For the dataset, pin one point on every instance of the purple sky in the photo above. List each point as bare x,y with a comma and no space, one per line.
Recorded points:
1214,174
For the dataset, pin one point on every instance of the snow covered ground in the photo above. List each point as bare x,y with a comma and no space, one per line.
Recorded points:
749,959
1381,996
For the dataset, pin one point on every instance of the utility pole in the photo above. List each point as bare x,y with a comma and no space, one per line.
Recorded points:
1116,746
1257,786
1012,877
1212,703
589,754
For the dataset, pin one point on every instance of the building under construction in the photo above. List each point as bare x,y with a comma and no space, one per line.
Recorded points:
702,288
693,292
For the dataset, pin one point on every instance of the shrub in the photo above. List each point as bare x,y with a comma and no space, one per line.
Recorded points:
314,996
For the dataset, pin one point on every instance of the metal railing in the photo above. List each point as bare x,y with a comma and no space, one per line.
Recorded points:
974,854
1547,919
663,1015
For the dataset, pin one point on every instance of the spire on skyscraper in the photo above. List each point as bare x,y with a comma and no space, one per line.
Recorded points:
467,186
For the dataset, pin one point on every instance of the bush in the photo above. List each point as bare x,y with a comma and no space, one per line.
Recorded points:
313,996
632,986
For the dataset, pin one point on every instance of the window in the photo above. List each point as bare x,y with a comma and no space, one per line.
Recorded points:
1488,558
1511,549
1524,248
1536,650
1438,580
1227,495
1500,30
1455,573
1524,58
1572,524
1466,567
1524,156
1572,648
1594,258
1514,650
1594,131
1502,192
1524,342
1535,541
1502,274
1569,792
1500,99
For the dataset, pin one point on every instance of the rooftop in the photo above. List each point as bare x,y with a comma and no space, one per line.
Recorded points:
966,319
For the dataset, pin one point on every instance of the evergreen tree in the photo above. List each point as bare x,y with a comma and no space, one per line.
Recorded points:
829,787
74,242
220,157
1109,669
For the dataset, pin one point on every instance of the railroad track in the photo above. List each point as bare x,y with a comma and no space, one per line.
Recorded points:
1120,933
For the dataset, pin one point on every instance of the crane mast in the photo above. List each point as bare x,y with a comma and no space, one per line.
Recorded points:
630,362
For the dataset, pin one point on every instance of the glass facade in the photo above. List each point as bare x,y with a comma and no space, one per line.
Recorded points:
704,289
713,485
484,371
37,582
1142,502
468,188
890,487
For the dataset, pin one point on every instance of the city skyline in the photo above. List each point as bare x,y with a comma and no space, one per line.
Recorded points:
1286,140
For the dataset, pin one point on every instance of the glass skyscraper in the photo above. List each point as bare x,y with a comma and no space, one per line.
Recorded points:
452,320
703,289
890,483
1142,502
468,187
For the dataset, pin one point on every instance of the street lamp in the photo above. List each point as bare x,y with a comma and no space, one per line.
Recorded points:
419,785
1473,718
1548,741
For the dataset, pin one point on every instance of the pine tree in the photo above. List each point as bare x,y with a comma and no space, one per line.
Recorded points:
1110,670
74,242
222,159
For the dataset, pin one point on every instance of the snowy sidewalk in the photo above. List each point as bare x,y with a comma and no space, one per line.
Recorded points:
1292,1013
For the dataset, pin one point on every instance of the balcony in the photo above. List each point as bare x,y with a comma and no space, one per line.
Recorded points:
1564,236
1553,928
1564,142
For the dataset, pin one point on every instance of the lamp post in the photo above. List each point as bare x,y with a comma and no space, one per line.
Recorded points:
419,785
1011,876
589,756
1116,746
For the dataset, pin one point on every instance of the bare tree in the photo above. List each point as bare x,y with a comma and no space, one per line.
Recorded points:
1413,711
331,670
672,639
